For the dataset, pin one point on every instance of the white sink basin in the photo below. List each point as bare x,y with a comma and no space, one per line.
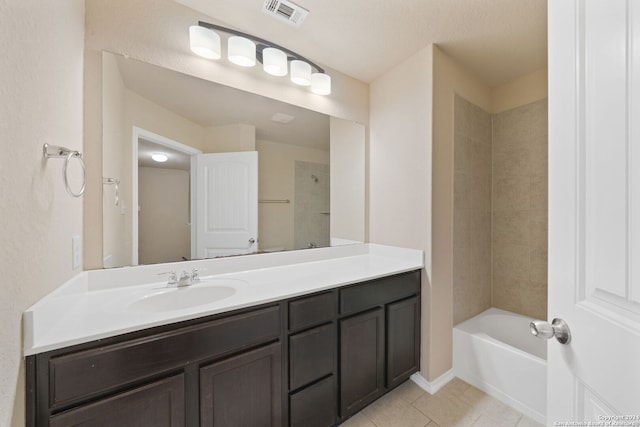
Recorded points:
170,299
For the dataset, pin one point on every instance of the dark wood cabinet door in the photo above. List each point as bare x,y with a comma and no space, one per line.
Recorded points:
361,360
158,404
314,406
244,390
403,329
311,355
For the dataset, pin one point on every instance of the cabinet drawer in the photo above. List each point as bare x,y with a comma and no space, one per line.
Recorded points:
311,310
378,292
315,406
311,355
157,404
85,374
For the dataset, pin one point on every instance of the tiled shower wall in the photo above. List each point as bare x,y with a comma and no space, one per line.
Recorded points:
311,205
500,210
519,236
471,210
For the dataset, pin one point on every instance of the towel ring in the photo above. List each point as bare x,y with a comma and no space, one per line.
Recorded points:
52,151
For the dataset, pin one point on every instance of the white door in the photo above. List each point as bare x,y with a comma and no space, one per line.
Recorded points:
594,210
225,205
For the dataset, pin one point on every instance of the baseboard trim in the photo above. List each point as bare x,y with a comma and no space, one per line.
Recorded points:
432,387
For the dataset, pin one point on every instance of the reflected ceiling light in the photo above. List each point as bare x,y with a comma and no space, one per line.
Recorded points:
241,51
274,61
300,72
244,49
321,83
159,157
204,42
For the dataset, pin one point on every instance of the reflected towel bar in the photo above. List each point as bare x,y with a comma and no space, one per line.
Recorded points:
274,201
116,182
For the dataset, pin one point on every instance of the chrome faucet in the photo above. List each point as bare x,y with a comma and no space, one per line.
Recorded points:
185,278
173,279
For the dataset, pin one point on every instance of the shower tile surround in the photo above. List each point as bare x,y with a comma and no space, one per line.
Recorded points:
311,205
512,243
472,210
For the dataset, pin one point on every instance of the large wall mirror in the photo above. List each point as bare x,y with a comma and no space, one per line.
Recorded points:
195,169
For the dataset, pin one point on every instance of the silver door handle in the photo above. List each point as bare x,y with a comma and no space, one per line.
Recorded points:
557,328
252,240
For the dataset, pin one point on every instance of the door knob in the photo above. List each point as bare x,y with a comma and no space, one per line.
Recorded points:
557,328
252,240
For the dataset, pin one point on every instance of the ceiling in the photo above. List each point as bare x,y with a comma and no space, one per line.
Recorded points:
496,40
210,104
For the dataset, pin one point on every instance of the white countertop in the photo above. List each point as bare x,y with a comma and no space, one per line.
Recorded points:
94,304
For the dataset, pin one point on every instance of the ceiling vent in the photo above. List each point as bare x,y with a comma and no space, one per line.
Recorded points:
285,11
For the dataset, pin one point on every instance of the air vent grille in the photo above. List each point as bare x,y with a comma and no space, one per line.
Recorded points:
285,11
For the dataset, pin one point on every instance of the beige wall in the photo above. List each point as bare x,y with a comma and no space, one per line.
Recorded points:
521,91
116,243
400,177
164,231
41,77
230,138
276,173
449,79
348,177
150,116
159,35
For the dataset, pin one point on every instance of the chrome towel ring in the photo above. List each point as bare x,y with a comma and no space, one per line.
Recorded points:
52,151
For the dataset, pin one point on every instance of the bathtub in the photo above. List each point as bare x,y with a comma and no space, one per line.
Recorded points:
495,352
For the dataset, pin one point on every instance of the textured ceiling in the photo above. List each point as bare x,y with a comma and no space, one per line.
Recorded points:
496,40
211,104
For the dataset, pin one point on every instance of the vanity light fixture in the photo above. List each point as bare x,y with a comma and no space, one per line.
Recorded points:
159,157
300,72
204,42
241,51
244,49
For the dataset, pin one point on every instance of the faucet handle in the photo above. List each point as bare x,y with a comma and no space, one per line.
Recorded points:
185,279
195,276
173,278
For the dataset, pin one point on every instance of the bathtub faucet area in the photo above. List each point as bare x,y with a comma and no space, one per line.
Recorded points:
495,352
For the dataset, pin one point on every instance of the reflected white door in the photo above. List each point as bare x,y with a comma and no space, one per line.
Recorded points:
594,209
225,206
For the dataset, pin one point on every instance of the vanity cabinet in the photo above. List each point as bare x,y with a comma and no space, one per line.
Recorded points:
174,372
379,338
309,361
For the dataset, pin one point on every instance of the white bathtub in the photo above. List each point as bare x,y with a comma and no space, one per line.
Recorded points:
495,352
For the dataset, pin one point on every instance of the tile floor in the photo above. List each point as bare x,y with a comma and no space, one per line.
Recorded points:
457,404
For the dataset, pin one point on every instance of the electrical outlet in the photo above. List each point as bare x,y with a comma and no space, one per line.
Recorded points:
76,252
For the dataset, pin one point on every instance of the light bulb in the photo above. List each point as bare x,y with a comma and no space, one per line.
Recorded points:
321,83
242,51
274,61
204,42
159,157
300,72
